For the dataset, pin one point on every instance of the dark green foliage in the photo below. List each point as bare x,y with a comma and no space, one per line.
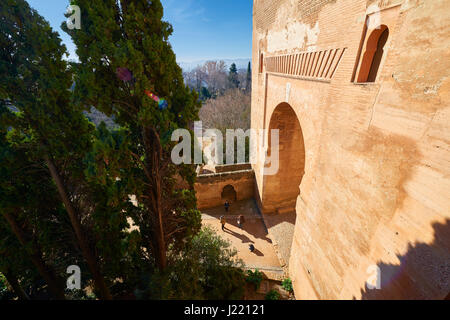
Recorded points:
273,295
205,94
29,199
248,83
5,293
233,79
206,269
286,284
255,278
46,146
65,184
132,35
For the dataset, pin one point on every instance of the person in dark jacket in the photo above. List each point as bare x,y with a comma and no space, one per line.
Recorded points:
227,206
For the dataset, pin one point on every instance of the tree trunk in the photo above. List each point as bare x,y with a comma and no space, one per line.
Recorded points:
162,261
15,285
74,219
152,147
54,286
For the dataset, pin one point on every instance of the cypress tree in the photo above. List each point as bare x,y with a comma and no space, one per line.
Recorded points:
28,211
248,85
233,79
124,57
36,81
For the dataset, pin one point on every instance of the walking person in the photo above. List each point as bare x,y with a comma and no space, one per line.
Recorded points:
223,222
241,221
227,206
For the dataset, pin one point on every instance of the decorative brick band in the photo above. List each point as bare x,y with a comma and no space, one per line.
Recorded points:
316,65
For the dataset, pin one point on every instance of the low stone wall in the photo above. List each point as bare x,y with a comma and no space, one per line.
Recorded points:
233,167
209,187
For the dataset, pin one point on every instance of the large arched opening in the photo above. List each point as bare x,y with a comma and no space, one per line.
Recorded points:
281,190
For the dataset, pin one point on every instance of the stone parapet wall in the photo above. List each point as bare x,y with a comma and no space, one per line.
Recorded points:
233,167
209,187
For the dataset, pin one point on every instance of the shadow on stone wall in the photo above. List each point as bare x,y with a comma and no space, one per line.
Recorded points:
423,273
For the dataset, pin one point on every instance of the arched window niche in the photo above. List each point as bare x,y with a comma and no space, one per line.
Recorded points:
373,55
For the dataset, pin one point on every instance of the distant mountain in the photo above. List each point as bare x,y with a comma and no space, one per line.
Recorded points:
240,63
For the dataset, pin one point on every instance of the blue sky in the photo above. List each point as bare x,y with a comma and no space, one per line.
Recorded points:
203,29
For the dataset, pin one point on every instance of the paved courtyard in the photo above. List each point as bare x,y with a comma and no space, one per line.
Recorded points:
254,232
281,229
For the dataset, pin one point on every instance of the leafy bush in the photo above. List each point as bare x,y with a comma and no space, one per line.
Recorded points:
3,287
287,285
5,294
208,268
273,295
254,277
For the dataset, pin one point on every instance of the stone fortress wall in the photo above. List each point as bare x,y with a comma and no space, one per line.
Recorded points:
360,91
